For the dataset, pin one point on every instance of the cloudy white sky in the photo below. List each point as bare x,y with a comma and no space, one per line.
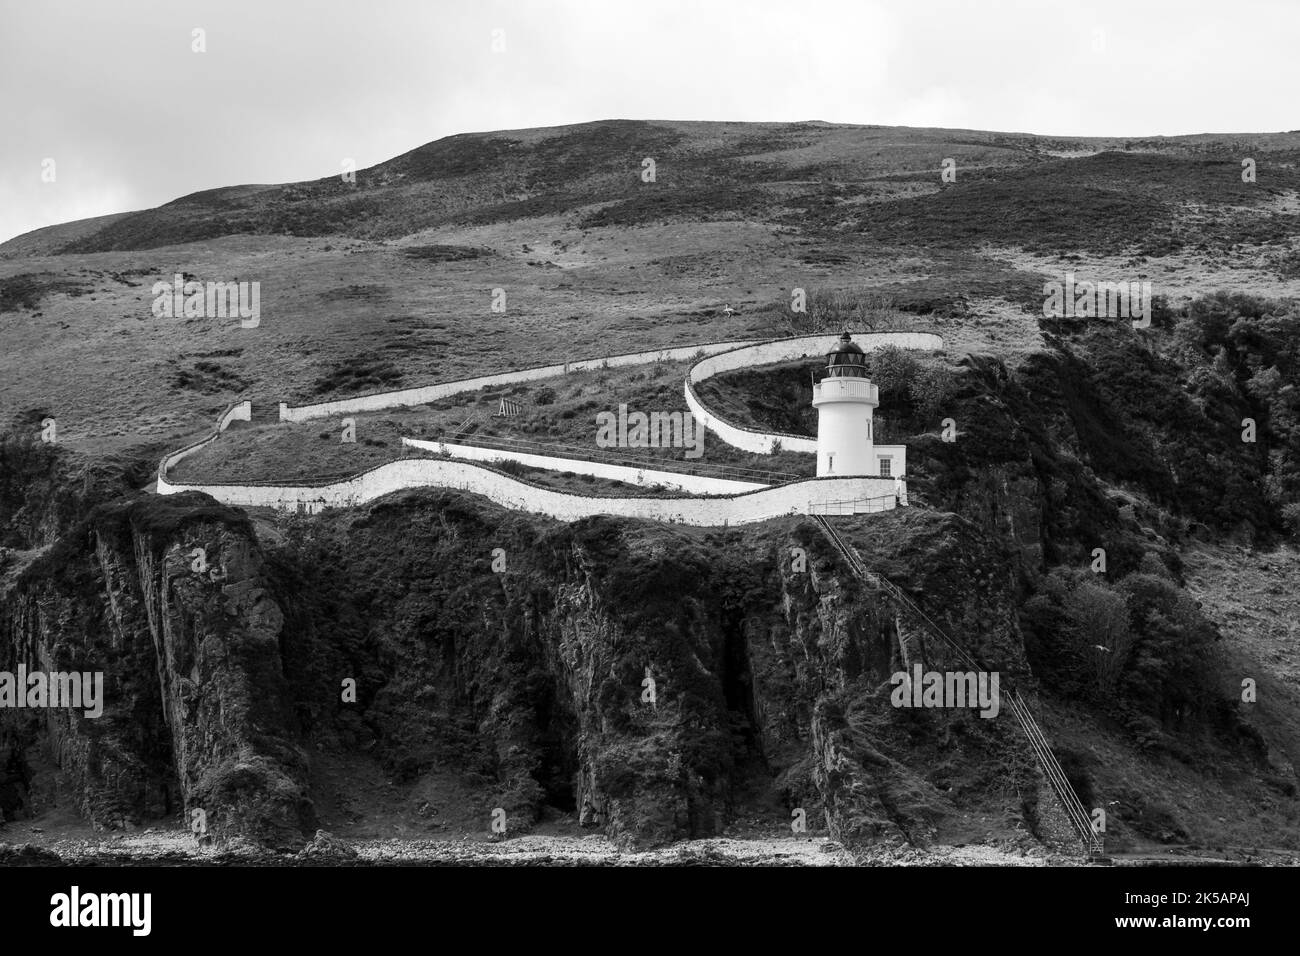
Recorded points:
113,92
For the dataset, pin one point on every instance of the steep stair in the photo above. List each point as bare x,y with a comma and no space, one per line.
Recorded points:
468,427
1092,843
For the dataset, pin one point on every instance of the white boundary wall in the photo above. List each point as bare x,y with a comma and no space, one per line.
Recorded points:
800,497
431,393
699,484
783,350
240,411
724,508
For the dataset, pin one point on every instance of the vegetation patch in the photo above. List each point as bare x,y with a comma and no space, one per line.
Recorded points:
25,291
356,293
658,205
363,373
446,253
207,378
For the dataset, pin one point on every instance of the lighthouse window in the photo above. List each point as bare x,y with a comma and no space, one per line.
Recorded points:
830,462
884,468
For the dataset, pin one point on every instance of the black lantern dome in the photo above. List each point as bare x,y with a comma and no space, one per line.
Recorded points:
847,361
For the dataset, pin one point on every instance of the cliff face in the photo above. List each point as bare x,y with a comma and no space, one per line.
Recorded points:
194,710
769,668
216,633
657,682
431,634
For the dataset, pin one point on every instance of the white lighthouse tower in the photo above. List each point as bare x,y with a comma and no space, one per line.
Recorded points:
845,401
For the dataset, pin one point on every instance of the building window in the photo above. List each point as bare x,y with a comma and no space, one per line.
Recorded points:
885,467
830,463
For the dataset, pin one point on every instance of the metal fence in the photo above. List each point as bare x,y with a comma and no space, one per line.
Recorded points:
853,506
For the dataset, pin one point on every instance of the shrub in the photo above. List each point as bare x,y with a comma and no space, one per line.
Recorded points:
1169,667
1151,564
929,389
364,372
893,369
1098,621
1291,517
836,310
924,385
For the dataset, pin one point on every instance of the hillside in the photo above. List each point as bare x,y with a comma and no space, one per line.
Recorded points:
591,256
478,690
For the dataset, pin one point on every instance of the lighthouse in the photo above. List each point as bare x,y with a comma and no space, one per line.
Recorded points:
845,401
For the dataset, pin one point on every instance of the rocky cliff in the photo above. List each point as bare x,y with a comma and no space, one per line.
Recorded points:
657,682
166,599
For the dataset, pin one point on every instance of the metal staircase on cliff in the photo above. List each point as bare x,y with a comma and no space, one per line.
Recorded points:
1047,762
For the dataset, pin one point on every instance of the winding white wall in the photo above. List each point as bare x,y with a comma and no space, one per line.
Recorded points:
816,495
783,350
724,506
431,393
240,411
700,484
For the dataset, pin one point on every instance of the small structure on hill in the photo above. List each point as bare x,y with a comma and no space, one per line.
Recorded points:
846,401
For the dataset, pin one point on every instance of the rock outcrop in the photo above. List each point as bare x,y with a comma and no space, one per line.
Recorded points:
166,600
656,682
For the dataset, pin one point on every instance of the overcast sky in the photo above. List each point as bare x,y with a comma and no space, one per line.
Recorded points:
112,91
